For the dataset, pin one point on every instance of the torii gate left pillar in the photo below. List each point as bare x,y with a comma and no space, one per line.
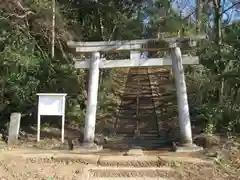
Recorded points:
90,121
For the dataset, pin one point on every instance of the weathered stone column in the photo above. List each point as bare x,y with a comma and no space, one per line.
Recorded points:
90,121
14,127
183,109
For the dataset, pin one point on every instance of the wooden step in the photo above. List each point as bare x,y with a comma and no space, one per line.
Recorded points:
141,105
134,95
151,134
147,92
146,82
146,144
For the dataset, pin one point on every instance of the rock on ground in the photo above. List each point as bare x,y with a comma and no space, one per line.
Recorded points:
206,140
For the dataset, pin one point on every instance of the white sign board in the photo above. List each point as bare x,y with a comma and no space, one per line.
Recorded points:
51,104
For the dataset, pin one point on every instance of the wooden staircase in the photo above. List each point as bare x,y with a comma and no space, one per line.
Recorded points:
137,107
148,108
165,102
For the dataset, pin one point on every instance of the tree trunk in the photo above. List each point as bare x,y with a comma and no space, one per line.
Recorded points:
218,41
198,15
53,27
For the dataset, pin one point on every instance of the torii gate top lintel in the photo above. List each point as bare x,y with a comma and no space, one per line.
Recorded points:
135,46
141,44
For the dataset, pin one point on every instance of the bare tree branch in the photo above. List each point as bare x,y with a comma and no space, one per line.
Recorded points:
232,6
18,3
22,16
17,16
10,8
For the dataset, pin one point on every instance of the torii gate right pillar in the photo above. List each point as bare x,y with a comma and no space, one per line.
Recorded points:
183,109
182,101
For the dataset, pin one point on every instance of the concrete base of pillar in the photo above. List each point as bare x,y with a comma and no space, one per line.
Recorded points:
88,147
188,148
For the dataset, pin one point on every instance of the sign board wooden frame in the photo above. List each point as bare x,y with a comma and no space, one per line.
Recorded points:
51,104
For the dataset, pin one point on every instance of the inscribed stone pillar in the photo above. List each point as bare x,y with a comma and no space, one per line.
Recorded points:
90,121
183,109
14,126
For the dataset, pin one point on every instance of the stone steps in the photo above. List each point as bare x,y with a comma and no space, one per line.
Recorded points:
149,161
130,172
129,178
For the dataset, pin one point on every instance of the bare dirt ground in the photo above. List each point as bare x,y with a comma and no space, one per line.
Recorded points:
18,168
36,161
21,164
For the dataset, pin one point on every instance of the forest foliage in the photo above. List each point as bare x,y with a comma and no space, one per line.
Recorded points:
27,67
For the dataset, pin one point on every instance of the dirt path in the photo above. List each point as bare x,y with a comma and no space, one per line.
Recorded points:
32,164
14,167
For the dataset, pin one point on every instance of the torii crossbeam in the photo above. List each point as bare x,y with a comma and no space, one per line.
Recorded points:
176,60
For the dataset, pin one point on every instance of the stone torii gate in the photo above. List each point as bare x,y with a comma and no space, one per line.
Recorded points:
176,60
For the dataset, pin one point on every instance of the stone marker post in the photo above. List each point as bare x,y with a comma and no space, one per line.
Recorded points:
14,127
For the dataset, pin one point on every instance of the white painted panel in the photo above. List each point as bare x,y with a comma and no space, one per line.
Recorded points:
82,64
120,63
51,105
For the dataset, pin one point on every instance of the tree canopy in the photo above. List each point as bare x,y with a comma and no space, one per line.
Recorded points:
26,65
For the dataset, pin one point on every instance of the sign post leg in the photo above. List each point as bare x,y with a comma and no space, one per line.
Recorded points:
90,121
38,127
63,123
63,118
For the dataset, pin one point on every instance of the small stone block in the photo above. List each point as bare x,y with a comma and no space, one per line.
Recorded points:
188,148
172,45
88,147
192,43
137,133
134,152
100,140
